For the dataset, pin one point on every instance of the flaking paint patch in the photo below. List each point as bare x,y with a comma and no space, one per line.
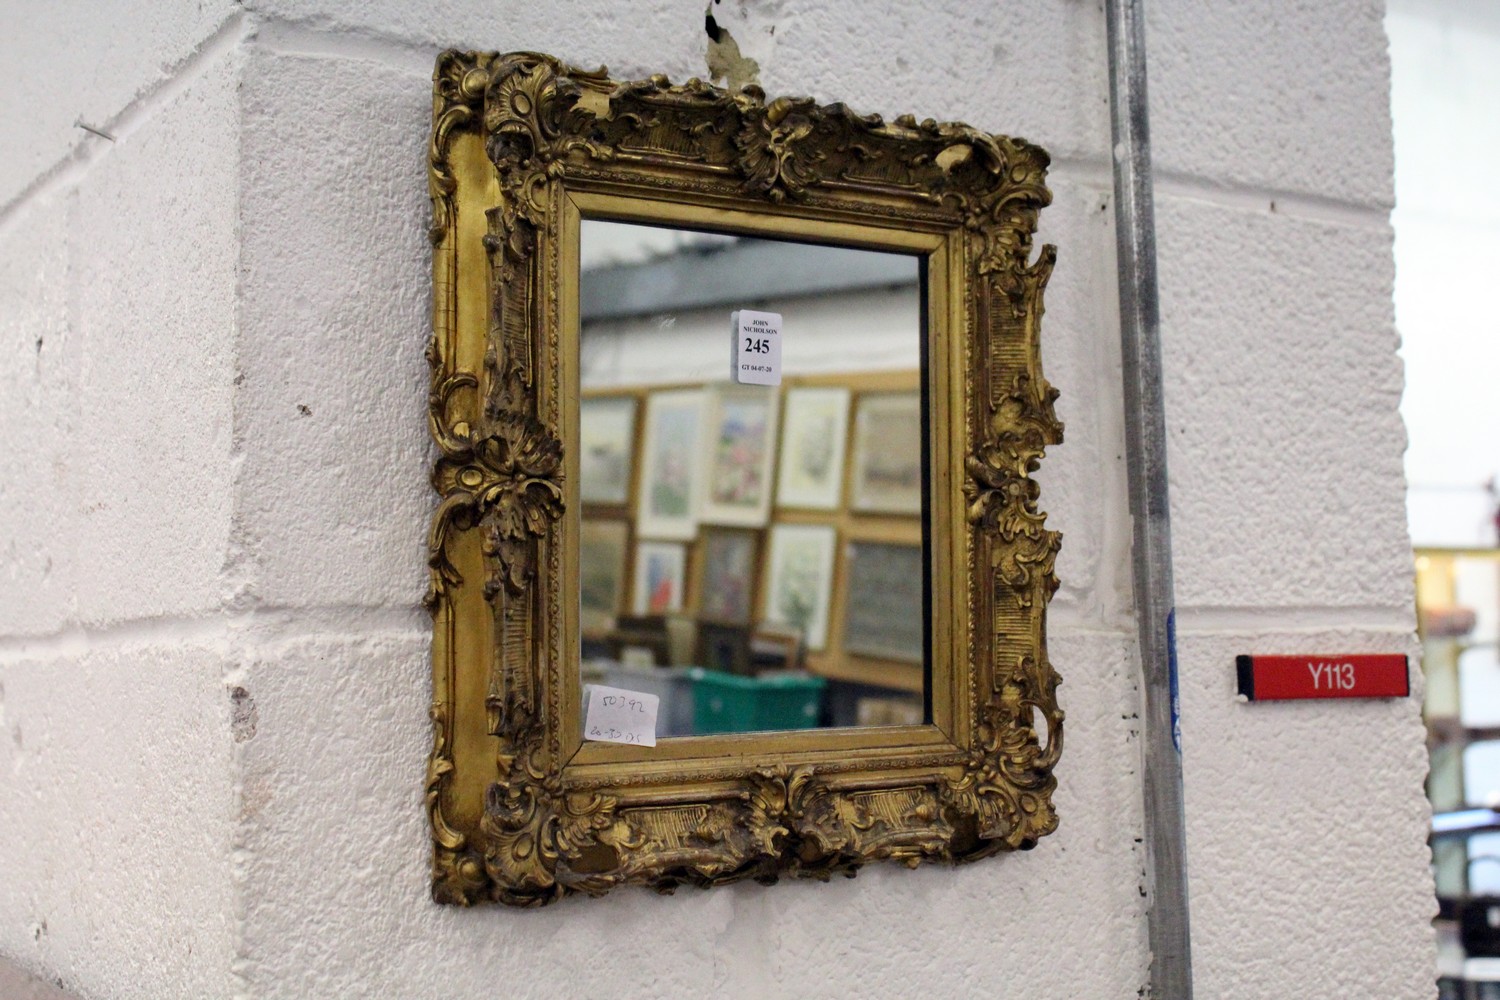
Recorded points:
723,57
243,717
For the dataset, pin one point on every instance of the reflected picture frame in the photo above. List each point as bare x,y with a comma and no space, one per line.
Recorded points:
606,448
604,546
739,452
522,811
660,578
800,560
887,473
727,575
814,436
883,580
672,455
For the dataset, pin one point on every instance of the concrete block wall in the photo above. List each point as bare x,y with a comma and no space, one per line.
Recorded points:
1274,159
213,666
117,779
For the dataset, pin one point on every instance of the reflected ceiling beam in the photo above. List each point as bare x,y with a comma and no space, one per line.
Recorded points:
739,275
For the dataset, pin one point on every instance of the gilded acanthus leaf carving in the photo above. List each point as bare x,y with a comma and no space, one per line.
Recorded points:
773,157
506,482
524,495
543,830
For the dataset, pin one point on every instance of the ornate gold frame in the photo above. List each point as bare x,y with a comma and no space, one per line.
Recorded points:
523,812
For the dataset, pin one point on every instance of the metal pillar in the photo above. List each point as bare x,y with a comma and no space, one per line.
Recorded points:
1146,441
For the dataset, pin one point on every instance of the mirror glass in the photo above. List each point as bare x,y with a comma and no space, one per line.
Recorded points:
754,555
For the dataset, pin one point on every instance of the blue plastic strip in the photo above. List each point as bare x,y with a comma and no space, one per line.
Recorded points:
1172,670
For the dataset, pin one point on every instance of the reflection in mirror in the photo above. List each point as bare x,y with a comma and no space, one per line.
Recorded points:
753,555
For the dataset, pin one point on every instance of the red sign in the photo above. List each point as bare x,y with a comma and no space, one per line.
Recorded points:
1340,675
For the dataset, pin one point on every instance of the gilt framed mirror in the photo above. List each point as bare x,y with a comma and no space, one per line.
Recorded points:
737,405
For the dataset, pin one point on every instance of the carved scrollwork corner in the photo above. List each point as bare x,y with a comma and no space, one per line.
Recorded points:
458,83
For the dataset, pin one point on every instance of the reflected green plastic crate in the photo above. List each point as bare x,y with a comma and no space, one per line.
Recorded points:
727,703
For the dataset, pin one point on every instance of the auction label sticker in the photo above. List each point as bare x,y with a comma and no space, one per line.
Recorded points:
755,348
615,715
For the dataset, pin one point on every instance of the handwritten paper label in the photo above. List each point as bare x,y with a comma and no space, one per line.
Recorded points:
755,349
615,715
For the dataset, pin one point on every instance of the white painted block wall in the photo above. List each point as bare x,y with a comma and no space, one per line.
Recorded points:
213,666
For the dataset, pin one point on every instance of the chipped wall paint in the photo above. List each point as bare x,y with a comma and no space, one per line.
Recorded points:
726,66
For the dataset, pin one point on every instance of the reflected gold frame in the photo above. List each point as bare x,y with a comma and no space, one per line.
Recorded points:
522,811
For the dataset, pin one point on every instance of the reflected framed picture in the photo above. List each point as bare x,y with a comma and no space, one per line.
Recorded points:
890,711
724,647
726,591
666,507
660,569
883,611
740,436
887,454
800,580
602,548
606,439
814,431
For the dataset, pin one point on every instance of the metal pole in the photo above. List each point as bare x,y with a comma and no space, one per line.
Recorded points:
1146,441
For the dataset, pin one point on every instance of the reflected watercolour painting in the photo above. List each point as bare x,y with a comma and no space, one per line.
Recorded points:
728,585
740,432
815,429
888,454
606,432
801,580
602,548
668,492
660,568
